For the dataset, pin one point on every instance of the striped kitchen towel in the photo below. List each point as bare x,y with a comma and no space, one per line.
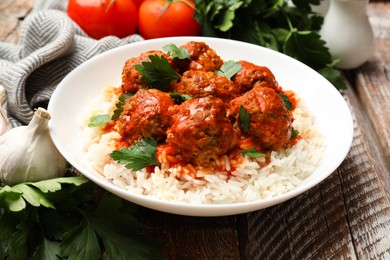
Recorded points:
50,46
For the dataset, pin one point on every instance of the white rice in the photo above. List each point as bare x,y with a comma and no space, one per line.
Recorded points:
248,182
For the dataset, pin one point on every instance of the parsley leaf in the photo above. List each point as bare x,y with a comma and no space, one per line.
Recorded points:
81,242
244,118
122,246
176,52
80,225
117,230
19,240
229,69
294,133
253,152
120,105
274,24
14,198
114,230
307,47
11,199
137,156
216,16
286,101
99,120
157,72
334,76
179,98
306,4
32,195
8,225
54,185
48,250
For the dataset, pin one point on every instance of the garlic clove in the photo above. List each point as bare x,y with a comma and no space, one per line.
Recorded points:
27,153
4,123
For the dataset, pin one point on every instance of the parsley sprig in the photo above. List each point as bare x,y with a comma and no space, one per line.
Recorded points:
176,52
138,156
244,118
99,120
102,119
294,133
229,69
62,219
286,101
274,24
120,104
157,72
179,98
253,152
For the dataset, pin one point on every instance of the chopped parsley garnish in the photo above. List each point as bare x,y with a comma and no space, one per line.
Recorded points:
157,72
120,104
138,156
179,98
253,152
286,101
99,120
229,69
176,52
244,118
294,133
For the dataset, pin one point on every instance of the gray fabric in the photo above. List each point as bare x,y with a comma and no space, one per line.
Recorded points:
51,45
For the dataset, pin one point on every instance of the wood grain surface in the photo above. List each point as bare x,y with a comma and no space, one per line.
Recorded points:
347,216
12,13
373,79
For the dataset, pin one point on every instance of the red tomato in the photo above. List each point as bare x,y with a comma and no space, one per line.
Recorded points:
99,18
138,2
163,18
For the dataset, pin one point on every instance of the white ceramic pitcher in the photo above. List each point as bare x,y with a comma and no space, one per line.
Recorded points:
348,32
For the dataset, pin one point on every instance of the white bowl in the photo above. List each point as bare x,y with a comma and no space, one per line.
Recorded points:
86,82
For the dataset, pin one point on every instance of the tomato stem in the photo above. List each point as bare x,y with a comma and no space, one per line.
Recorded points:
189,3
109,4
169,2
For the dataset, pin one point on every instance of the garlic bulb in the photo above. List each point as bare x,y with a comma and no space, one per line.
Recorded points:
4,123
27,153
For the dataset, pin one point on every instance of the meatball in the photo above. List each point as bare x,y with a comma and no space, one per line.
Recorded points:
270,122
201,131
252,75
198,83
131,78
202,57
146,114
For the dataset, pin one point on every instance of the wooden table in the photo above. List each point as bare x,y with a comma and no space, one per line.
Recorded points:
346,216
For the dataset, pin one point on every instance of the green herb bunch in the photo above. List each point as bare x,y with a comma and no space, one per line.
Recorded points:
290,27
69,218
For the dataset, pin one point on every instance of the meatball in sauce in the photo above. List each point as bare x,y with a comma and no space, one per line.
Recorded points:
131,78
252,75
197,83
145,115
202,57
270,121
201,131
